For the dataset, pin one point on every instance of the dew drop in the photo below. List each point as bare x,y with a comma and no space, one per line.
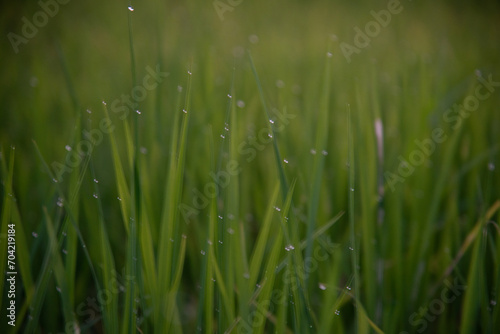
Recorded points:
138,112
96,180
68,148
222,136
329,54
246,275
289,248
64,233
313,151
229,95
202,252
270,135
60,202
179,89
493,302
189,72
271,121
491,166
230,231
95,195
324,152
220,242
350,248
131,8
118,198
348,288
240,104
34,234
280,84
209,242
337,312
285,161
184,111
54,180
277,209
322,286
143,150
65,251
254,39
58,289
352,189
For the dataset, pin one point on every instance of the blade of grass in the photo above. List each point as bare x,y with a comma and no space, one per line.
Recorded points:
319,161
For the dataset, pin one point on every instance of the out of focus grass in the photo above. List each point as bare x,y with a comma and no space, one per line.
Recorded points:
304,230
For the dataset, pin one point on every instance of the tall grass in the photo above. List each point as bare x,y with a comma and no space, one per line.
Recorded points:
239,194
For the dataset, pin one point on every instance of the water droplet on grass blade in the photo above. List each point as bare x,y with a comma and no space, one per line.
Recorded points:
240,104
34,234
58,289
285,161
68,148
131,8
289,248
337,312
202,252
322,286
491,166
313,151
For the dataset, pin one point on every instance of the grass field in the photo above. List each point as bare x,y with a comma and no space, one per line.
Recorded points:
243,166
